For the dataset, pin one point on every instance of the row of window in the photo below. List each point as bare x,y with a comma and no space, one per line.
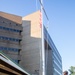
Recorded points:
56,59
9,49
57,56
47,36
57,67
8,38
10,29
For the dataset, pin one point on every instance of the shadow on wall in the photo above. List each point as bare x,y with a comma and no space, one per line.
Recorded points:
31,47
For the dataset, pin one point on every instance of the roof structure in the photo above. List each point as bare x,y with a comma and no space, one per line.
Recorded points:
7,66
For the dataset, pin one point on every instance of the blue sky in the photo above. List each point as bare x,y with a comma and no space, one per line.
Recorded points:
61,27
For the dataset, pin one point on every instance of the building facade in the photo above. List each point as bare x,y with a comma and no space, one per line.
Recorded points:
32,48
21,40
10,35
52,56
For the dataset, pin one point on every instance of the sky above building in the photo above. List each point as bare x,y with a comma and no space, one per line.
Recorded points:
61,26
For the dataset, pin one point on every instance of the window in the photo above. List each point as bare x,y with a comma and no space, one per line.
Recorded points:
9,49
6,38
3,37
9,29
17,30
17,61
4,28
0,27
11,39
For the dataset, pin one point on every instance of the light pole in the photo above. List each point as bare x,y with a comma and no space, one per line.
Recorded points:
43,50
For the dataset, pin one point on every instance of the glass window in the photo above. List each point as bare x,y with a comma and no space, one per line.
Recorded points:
17,50
3,37
17,40
4,28
15,61
10,39
4,48
0,27
17,31
13,39
14,30
9,49
6,38
9,29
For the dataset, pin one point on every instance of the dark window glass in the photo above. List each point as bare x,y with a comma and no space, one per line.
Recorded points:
9,49
9,29
0,27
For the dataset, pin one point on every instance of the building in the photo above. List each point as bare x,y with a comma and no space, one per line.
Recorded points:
31,43
21,40
10,35
53,58
32,48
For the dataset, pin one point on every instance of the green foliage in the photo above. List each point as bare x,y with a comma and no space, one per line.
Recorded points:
72,70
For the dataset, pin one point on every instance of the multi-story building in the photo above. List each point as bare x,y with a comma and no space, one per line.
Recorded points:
10,35
32,48
21,40
53,58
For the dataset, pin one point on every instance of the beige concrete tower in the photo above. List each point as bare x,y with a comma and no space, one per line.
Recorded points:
31,43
